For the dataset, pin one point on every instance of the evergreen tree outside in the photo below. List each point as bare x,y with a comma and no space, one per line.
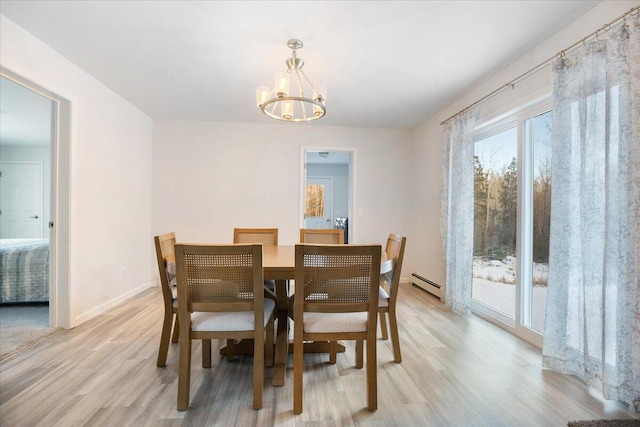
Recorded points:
495,210
508,208
481,208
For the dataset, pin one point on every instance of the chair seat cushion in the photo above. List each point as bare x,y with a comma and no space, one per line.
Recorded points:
229,321
174,292
335,322
383,298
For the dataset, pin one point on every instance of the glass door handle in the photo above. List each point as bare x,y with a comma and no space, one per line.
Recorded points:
34,217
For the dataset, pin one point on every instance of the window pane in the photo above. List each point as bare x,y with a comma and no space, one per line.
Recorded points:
494,243
541,143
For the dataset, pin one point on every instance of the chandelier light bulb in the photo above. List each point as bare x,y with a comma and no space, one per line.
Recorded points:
262,94
287,110
317,111
320,93
282,84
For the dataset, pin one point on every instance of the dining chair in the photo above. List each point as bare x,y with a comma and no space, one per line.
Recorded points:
322,236
164,247
220,288
266,236
389,284
336,298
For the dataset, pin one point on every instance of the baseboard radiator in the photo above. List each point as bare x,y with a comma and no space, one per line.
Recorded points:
427,285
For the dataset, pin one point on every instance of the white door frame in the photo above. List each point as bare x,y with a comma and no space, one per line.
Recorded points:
352,237
59,237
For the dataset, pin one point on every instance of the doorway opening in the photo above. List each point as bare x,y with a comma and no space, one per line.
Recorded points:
327,189
35,144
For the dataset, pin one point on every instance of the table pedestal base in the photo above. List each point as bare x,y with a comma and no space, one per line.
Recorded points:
245,347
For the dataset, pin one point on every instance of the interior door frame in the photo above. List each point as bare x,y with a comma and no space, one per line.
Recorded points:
60,209
352,235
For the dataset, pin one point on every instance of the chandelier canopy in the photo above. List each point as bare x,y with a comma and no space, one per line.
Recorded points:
287,101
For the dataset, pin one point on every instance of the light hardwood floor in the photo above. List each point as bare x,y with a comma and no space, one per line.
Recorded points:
456,371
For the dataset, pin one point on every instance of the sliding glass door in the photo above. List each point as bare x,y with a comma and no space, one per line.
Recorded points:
512,190
495,212
537,137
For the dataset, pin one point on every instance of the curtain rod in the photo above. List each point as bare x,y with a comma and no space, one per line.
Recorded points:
606,27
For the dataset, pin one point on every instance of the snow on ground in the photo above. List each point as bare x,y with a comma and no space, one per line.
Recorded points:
505,271
494,285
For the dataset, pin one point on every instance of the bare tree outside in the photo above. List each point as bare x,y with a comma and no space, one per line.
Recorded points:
314,206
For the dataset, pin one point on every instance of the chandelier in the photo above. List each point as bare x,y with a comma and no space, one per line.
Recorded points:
287,100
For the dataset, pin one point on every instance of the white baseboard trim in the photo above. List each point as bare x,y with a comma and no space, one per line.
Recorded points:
78,320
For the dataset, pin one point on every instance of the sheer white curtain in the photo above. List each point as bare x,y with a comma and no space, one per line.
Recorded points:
456,206
592,324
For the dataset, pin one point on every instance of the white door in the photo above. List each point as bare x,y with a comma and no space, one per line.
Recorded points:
318,202
21,200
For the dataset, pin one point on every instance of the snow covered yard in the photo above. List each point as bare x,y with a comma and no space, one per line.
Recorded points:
494,285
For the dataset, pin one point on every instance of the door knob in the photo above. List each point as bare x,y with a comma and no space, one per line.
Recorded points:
34,217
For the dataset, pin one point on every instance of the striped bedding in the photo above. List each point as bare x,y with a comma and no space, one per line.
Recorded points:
24,270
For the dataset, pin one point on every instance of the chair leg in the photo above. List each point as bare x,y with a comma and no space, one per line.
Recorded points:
383,326
333,351
206,353
269,344
231,348
176,330
359,354
184,372
258,368
372,374
395,338
164,340
298,365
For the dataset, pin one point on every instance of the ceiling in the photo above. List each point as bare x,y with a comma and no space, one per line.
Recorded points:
389,64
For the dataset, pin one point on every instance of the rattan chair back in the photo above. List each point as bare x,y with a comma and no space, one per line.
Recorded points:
266,236
322,236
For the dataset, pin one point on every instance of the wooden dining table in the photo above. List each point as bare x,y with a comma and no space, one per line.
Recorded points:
278,264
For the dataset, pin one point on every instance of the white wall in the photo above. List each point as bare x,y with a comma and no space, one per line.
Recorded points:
427,142
110,190
33,153
210,177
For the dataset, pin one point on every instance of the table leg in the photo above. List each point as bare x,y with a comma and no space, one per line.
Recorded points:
282,333
282,350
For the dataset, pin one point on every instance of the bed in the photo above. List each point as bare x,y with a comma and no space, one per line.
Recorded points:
24,270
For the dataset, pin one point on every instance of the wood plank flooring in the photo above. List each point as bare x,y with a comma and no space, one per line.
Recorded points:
456,371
